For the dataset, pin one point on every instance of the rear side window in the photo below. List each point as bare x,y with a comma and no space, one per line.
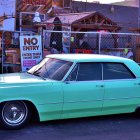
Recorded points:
116,71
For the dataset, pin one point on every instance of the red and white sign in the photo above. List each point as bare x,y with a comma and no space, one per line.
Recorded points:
31,51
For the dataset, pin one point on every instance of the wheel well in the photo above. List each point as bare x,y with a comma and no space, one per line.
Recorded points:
137,110
32,108
34,112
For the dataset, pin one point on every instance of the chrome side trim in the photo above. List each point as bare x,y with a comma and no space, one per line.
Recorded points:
121,98
94,82
51,103
89,100
72,102
113,80
83,101
120,80
4,87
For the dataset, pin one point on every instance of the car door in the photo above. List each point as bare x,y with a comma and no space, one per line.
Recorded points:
122,89
83,91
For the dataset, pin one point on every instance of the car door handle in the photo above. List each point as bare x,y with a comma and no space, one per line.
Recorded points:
100,86
137,84
67,82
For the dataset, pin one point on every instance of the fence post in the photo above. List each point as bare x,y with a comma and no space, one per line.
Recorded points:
134,47
3,55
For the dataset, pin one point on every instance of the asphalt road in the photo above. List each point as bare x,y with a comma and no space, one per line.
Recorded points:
116,127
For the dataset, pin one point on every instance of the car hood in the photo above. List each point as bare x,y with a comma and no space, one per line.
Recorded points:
21,78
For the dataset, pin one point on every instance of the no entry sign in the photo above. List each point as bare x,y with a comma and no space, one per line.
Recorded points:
31,51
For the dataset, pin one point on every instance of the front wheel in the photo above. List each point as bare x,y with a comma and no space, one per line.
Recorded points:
14,114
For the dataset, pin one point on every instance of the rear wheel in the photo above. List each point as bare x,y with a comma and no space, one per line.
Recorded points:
14,114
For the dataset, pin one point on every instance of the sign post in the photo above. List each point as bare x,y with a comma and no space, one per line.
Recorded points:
31,51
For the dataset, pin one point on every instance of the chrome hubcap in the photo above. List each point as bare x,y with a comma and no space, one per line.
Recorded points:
14,113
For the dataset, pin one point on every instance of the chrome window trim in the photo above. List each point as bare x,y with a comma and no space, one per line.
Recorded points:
112,80
86,81
102,80
102,70
77,72
69,71
75,64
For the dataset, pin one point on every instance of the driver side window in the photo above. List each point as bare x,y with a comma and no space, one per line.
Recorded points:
86,71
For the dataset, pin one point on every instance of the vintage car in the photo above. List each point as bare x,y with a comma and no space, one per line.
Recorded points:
68,86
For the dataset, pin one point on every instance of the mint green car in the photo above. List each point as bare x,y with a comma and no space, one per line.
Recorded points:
70,86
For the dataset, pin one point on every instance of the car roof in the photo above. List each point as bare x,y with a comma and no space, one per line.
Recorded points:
88,58
133,66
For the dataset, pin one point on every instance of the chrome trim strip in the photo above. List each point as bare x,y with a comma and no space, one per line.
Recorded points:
69,71
52,103
105,99
120,98
77,72
10,86
102,70
83,101
120,80
86,81
113,80
102,81
72,102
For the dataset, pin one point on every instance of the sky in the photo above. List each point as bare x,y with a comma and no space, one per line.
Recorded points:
102,1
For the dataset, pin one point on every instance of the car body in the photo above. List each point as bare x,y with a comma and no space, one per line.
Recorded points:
69,86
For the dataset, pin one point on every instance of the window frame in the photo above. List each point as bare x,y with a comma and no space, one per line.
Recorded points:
77,65
102,74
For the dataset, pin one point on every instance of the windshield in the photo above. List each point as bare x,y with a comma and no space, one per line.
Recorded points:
51,68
